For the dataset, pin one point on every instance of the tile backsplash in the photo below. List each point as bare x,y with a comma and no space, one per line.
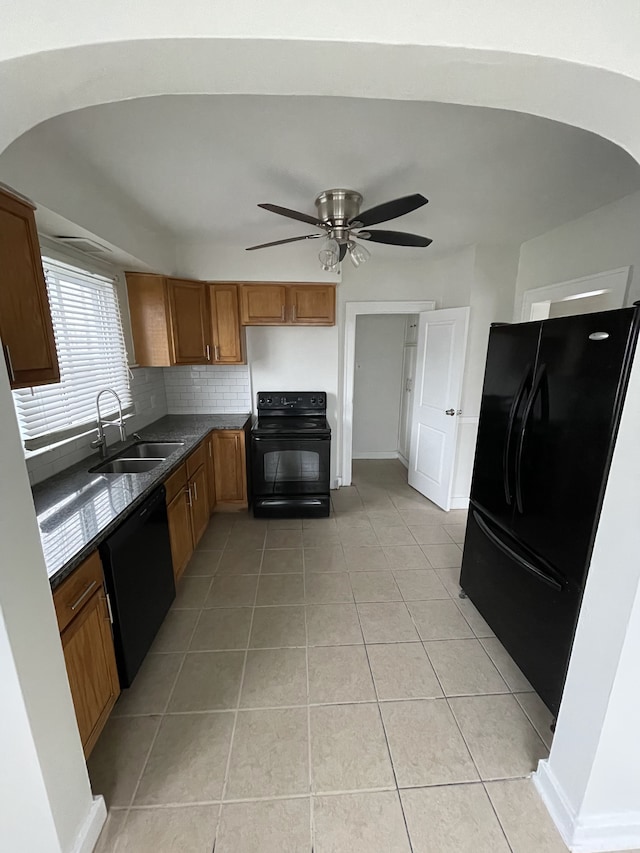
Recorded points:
204,389
150,401
158,391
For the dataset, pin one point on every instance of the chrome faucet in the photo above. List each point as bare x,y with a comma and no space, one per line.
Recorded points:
101,442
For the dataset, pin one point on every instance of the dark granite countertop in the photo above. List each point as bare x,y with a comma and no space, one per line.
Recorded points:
77,510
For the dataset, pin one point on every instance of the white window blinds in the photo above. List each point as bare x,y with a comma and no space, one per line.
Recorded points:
91,353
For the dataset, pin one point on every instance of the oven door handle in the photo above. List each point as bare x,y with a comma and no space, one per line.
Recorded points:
297,438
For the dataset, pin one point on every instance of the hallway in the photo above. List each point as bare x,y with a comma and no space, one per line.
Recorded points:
320,686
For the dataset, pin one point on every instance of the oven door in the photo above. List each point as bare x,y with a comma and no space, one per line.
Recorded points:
291,466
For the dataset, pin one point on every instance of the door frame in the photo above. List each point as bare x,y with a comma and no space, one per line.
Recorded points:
536,301
353,310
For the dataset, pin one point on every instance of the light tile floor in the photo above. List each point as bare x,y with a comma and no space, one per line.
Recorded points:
318,685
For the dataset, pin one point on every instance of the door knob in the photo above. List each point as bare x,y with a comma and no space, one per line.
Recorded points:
450,412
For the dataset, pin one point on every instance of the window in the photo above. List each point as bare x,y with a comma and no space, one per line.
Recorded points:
91,353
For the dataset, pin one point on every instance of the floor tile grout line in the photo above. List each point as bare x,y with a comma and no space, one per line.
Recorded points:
162,717
236,712
493,809
309,756
384,731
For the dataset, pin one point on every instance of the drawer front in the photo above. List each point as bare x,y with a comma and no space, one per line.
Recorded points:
77,590
196,459
175,483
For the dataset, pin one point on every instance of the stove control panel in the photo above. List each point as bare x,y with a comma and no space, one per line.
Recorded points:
298,401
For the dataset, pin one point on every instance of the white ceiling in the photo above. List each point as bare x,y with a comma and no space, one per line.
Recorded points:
198,165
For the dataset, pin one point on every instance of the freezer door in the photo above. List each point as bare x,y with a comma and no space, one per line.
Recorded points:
565,439
511,360
532,611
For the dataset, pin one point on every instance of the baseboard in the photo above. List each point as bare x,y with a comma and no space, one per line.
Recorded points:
404,461
459,503
88,836
593,834
382,454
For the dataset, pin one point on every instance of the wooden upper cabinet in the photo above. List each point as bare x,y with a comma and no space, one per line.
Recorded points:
288,304
312,304
189,322
169,320
263,304
25,316
227,334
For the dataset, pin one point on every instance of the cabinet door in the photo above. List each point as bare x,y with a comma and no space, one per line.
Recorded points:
199,504
226,332
211,475
179,515
230,467
91,667
189,322
263,304
25,317
312,304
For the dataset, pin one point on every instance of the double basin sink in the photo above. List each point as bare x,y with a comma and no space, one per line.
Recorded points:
140,457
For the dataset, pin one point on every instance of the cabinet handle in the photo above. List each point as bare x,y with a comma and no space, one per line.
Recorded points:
108,602
208,353
210,451
282,313
195,490
295,314
188,494
7,355
217,352
79,600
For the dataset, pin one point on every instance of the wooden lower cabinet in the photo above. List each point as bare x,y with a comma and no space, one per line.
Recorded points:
180,535
198,490
230,467
188,506
87,643
211,475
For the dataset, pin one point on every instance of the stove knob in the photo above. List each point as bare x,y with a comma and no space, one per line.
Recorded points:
261,401
313,401
269,400
320,401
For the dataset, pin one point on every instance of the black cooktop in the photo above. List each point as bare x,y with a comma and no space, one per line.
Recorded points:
316,424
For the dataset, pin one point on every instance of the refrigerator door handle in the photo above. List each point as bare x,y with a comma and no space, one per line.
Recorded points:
551,581
515,405
537,384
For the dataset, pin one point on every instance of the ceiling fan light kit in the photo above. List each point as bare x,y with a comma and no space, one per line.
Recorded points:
339,220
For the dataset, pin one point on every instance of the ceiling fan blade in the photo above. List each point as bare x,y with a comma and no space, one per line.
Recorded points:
293,214
280,242
394,238
343,251
390,210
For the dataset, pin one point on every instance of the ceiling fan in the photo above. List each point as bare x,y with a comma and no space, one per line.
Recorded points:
340,221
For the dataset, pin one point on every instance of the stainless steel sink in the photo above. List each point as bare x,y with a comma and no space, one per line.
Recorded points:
151,449
126,466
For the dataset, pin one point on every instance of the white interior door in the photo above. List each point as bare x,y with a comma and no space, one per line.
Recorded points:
442,343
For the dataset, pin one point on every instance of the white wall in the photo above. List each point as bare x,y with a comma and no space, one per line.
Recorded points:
79,193
45,793
602,240
378,385
592,777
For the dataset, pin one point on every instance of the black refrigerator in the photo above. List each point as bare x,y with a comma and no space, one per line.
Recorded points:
551,403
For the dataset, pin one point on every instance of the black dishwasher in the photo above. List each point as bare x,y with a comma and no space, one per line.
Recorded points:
139,577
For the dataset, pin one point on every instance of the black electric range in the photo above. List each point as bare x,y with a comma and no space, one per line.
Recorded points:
291,455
